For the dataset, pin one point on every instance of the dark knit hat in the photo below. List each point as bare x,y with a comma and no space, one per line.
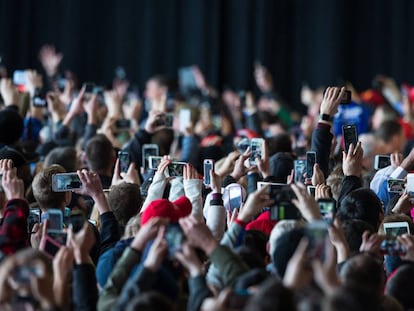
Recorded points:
11,126
281,165
13,154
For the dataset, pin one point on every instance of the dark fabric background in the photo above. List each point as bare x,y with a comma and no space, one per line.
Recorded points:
299,40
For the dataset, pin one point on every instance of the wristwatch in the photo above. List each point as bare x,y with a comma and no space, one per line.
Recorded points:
325,117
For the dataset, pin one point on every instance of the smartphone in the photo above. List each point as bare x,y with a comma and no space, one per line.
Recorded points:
124,161
175,169
49,246
33,218
123,124
310,162
381,161
19,77
168,119
89,87
147,151
55,220
346,98
77,220
174,237
410,184
350,135
39,99
311,190
282,196
184,118
300,168
316,233
327,207
66,182
396,185
233,197
394,229
256,149
392,247
208,165
154,162
242,145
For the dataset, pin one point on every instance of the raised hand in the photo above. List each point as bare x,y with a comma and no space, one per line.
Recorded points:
50,59
352,161
9,92
331,100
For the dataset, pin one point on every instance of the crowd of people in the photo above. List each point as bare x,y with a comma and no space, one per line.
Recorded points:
257,231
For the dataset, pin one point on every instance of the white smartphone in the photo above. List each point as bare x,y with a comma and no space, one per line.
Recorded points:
147,151
394,229
184,119
381,161
208,165
55,220
175,169
232,197
410,185
154,161
256,149
66,182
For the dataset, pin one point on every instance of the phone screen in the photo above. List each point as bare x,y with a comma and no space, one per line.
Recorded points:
235,198
66,182
327,209
176,169
350,136
55,220
147,151
208,166
316,233
300,169
174,237
124,161
310,162
256,146
396,185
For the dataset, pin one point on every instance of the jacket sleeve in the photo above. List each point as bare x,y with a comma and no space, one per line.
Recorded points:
192,190
198,292
155,190
110,233
177,188
349,183
321,144
117,279
228,264
84,289
90,131
141,282
215,214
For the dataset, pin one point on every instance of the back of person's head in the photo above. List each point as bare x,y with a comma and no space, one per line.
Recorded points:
334,181
64,156
271,296
164,139
150,301
401,286
100,154
161,80
361,204
281,166
347,298
364,271
279,143
42,188
353,230
125,201
388,129
280,228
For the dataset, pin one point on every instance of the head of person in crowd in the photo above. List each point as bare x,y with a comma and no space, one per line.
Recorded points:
272,295
164,139
391,137
351,298
279,143
11,127
334,181
281,166
400,286
353,230
64,156
383,114
43,193
125,201
156,88
371,148
362,204
20,162
280,228
100,155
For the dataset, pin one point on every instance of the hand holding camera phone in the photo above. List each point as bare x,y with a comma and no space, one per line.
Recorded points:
256,149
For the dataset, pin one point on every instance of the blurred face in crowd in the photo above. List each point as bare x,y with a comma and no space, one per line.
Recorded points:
153,91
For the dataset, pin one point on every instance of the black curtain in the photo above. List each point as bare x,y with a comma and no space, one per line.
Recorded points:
317,41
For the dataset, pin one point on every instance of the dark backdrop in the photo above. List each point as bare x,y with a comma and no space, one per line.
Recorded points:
299,40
